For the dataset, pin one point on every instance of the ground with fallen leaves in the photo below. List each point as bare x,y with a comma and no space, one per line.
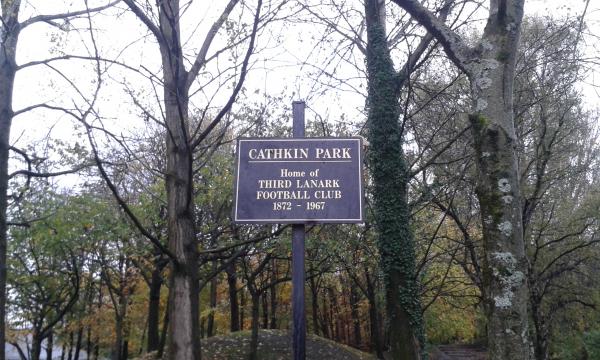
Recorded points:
459,352
276,345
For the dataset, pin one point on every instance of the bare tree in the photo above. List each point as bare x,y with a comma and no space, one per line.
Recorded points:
191,135
558,157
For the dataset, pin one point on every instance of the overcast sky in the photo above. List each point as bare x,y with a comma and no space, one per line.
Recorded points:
276,71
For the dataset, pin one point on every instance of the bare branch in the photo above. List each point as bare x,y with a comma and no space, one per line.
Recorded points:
146,20
245,242
416,55
214,29
50,18
239,84
35,174
440,152
356,40
454,46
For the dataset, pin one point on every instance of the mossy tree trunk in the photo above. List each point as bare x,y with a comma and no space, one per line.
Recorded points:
490,67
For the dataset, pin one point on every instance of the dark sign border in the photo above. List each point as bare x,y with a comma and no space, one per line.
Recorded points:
361,199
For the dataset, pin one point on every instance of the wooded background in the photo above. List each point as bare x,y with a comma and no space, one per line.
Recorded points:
117,129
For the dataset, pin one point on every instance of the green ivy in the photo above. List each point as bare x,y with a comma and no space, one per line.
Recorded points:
390,175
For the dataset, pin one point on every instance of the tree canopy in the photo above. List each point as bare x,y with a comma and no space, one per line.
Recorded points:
118,122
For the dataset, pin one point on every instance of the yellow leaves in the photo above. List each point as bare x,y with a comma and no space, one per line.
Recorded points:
449,324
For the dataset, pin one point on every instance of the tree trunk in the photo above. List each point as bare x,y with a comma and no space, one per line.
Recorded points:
154,307
498,189
78,343
97,337
36,345
9,30
163,334
255,318
125,353
491,70
49,345
355,315
118,344
265,310
243,307
88,306
22,354
89,342
210,327
376,339
325,323
315,305
183,340
70,345
273,293
541,333
120,319
143,341
334,309
234,309
390,193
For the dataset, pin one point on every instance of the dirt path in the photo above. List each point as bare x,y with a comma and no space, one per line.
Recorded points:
459,352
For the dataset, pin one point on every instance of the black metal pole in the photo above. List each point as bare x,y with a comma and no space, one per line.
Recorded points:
298,274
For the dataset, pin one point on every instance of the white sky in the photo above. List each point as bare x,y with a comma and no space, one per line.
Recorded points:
276,71
590,40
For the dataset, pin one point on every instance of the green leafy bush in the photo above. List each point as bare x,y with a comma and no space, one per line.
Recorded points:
591,341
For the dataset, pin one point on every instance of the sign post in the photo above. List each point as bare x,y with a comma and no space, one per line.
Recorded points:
298,273
297,181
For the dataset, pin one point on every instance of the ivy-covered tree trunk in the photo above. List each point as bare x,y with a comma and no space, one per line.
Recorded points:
490,67
390,193
9,34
